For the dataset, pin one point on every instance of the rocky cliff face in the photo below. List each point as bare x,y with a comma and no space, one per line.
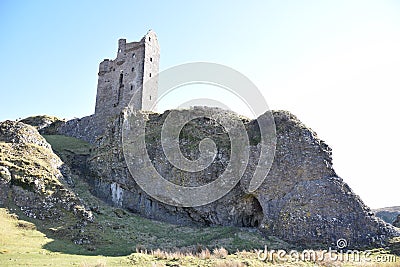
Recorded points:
32,178
302,200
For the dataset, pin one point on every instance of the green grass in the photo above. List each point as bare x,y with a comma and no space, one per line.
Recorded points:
22,245
62,143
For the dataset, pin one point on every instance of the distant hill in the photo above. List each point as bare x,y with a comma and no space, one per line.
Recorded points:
388,214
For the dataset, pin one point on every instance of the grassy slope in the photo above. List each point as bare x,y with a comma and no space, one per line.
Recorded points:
62,144
22,245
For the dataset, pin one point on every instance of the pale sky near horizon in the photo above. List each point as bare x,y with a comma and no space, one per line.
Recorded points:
334,64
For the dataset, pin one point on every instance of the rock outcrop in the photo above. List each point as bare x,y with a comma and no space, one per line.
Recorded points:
302,200
397,221
33,178
40,121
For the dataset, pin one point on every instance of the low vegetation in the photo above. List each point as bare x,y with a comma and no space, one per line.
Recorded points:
22,245
64,144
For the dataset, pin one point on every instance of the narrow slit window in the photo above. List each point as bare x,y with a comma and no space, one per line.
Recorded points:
150,74
121,79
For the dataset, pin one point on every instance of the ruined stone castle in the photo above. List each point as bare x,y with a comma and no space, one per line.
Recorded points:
126,78
302,200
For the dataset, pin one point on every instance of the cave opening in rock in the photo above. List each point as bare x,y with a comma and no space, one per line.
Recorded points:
252,214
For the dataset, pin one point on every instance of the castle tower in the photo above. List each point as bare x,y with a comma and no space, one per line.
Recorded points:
124,77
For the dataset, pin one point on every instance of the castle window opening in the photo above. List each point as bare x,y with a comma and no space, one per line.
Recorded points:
131,87
121,78
151,59
133,55
133,69
149,39
150,97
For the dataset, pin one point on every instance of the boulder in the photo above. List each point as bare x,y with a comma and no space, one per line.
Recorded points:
5,175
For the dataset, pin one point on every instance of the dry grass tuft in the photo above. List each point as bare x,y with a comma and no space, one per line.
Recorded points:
230,264
204,254
220,253
164,255
98,264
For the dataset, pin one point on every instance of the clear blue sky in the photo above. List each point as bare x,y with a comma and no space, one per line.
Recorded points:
335,64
